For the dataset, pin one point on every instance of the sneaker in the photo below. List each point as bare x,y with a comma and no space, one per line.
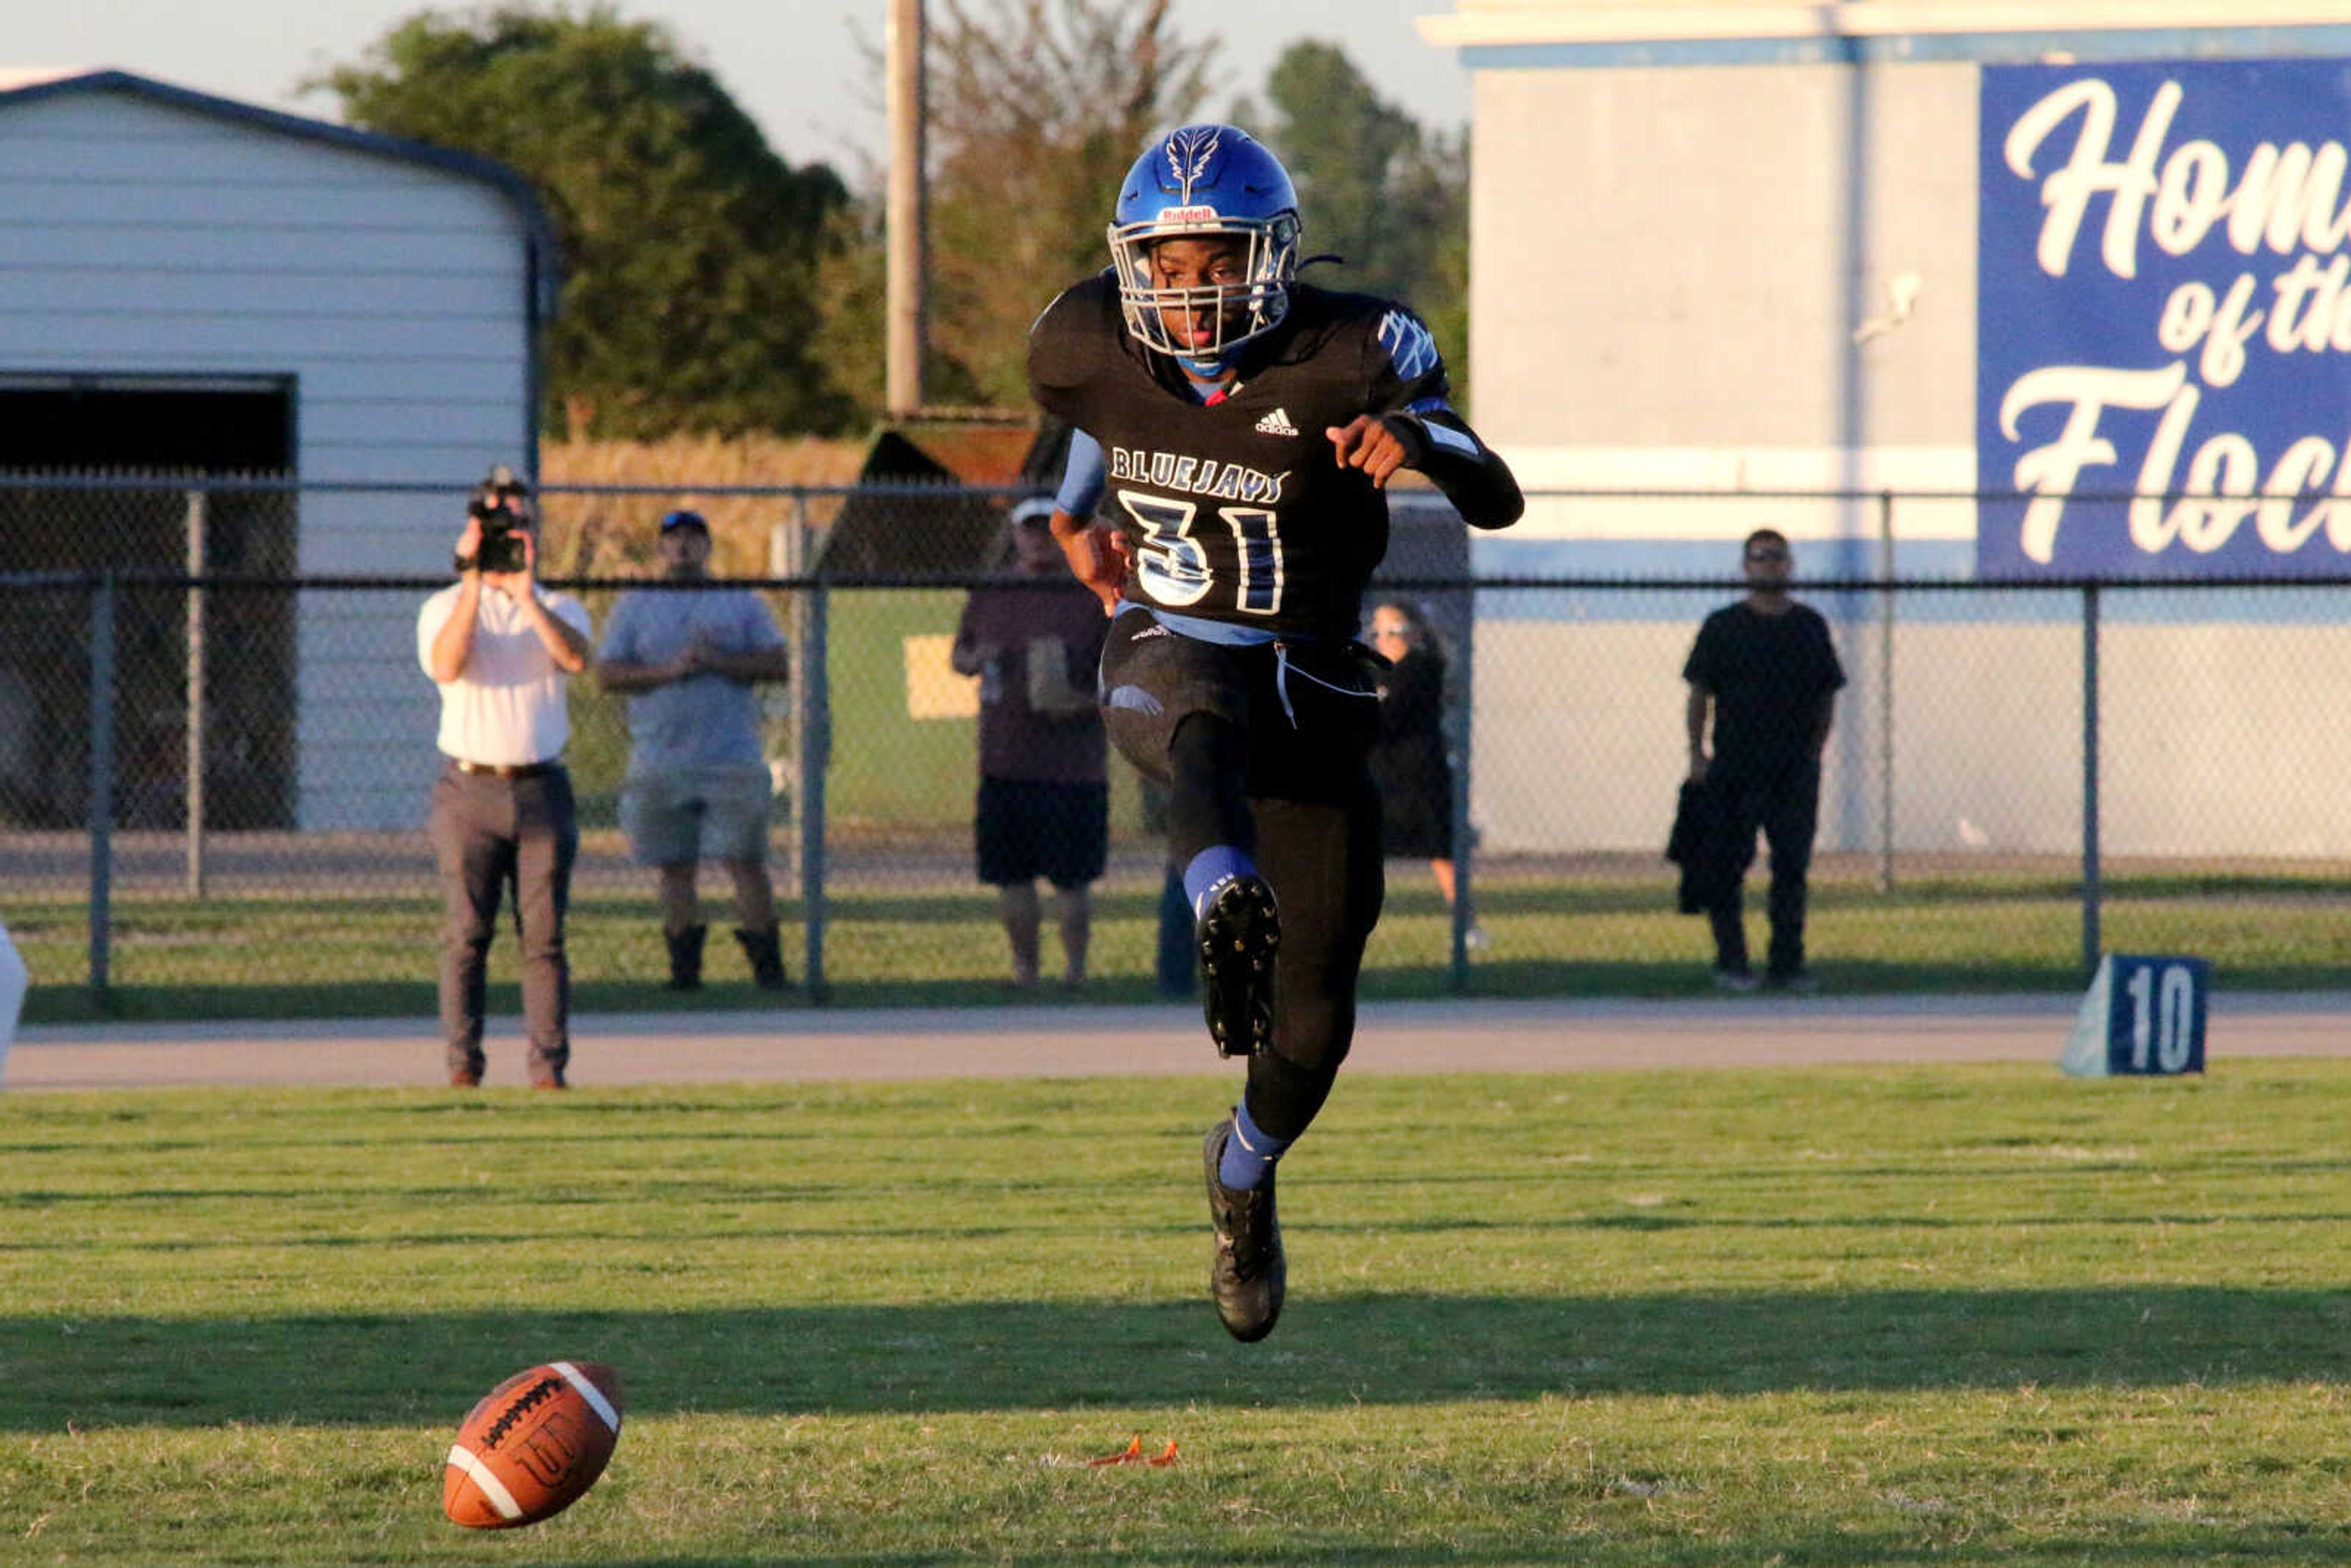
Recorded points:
465,1078
1741,980
1246,1272
1796,983
1236,937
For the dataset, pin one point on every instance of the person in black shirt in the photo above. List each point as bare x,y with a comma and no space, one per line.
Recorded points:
1244,426
1765,670
1410,763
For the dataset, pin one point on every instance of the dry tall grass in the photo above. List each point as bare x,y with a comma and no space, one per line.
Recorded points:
611,535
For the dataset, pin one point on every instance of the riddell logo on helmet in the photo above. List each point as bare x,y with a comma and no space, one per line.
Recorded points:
1173,216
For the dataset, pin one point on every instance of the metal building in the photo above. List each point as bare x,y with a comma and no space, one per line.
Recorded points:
195,286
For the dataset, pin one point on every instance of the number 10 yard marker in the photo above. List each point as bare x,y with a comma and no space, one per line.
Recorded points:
2142,1016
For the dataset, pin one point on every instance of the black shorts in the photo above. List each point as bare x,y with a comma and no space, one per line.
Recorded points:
1024,828
1312,710
1418,823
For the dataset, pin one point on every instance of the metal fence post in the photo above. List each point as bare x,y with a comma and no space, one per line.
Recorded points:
1886,693
101,782
787,555
194,793
2090,936
1459,707
813,749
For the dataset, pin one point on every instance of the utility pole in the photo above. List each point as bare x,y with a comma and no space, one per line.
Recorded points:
902,47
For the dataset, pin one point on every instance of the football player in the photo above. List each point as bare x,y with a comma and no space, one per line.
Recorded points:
1242,427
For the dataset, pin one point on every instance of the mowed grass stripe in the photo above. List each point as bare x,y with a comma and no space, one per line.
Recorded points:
298,955
1849,1316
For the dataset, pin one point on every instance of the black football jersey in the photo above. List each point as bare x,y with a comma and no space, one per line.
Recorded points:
1238,510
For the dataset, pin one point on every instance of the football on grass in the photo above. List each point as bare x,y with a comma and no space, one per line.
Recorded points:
533,1446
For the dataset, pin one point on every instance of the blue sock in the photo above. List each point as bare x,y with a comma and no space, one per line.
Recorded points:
1211,867
1250,1154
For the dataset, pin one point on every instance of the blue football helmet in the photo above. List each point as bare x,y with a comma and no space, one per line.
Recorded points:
1206,179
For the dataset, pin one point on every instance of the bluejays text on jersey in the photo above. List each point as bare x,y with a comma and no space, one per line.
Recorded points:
1197,476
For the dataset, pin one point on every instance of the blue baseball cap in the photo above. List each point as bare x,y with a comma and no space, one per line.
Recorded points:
683,521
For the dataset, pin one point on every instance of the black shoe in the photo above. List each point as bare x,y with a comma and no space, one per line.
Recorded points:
685,957
765,950
1246,1273
1237,938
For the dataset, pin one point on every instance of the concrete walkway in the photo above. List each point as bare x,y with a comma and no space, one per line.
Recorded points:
1070,1041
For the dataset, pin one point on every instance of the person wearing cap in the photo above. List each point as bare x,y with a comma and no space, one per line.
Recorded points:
687,655
503,651
1034,639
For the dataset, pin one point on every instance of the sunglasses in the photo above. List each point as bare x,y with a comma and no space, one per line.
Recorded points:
1767,554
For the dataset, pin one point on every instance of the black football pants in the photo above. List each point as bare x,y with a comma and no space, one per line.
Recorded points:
1266,749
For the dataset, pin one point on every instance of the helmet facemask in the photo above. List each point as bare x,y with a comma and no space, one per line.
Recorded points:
1238,312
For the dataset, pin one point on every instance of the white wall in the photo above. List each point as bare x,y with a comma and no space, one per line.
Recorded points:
2210,742
1658,256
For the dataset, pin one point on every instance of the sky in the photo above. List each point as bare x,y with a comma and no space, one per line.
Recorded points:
794,66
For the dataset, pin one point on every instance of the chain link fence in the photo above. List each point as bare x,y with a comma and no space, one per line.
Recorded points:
217,757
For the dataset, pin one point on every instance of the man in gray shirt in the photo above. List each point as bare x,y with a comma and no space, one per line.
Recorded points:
697,786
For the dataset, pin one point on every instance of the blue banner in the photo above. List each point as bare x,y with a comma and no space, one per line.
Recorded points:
2163,361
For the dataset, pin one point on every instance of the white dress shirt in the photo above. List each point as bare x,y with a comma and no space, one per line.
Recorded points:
508,705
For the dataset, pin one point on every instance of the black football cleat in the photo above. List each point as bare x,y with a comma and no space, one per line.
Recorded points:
1247,1272
1236,937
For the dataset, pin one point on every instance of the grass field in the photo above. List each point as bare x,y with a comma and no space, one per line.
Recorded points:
1864,1316
1556,935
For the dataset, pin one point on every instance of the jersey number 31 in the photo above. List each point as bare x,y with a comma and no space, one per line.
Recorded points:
1175,568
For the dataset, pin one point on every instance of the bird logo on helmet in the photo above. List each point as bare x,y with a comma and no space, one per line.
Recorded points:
1196,182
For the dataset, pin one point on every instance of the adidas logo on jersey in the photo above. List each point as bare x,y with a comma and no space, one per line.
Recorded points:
1277,424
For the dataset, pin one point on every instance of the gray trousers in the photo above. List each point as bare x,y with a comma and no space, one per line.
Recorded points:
490,834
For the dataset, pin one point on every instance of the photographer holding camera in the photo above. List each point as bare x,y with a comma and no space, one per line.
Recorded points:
503,650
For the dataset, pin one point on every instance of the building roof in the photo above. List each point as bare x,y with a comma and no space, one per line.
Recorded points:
890,527
22,85
1487,23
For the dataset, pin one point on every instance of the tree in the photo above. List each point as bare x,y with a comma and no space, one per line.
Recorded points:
1374,188
689,249
853,340
1038,107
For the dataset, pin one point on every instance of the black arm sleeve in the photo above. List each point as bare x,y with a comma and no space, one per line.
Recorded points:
1440,444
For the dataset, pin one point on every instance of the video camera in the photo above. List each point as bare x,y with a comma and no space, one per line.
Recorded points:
502,506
